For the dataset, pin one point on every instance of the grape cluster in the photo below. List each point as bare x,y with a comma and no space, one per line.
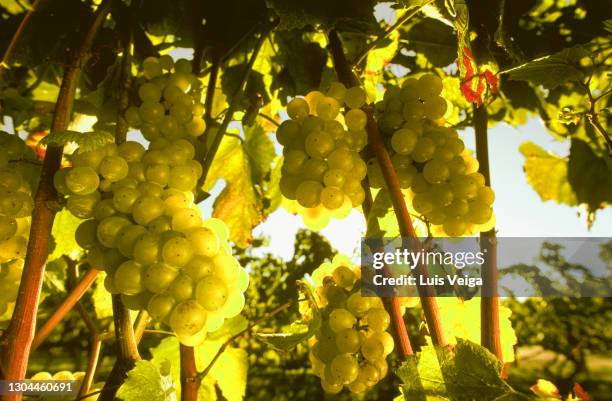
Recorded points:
170,101
144,230
431,160
66,375
322,166
353,342
16,206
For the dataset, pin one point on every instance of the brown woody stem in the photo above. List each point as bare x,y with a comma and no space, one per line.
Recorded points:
190,382
489,305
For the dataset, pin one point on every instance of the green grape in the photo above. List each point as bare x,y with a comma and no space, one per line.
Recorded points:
149,92
172,94
104,209
146,209
436,171
435,108
180,80
341,159
457,208
351,186
160,306
441,195
127,237
13,248
287,132
219,227
132,116
184,149
340,319
332,197
136,171
386,339
151,112
345,368
124,198
82,180
199,267
160,225
355,119
429,85
355,97
59,182
359,170
181,113
196,127
109,228
183,65
187,318
422,203
479,212
337,90
297,108
404,141
151,68
131,151
369,374
226,267
406,176
182,178
464,187
204,240
334,178
150,131
181,288
8,227
348,341
113,168
128,278
158,174
455,145
454,226
166,62
90,158
82,206
424,150
243,279
177,251
175,201
293,161
313,169
211,293
372,349
288,186
109,285
456,166
319,144
147,249
443,154
186,219
328,108
234,305
10,180
308,193
436,216
479,179
344,277
486,195
356,387
358,305
169,127
378,319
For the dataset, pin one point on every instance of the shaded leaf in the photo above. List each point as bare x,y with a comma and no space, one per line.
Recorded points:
260,151
435,40
590,176
551,71
295,14
85,141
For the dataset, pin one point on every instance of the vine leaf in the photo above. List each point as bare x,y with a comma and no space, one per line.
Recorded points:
147,381
238,205
85,141
551,71
299,331
589,175
547,173
435,40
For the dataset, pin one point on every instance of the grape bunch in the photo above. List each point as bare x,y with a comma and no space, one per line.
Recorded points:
66,375
353,342
169,95
144,230
17,178
431,160
322,166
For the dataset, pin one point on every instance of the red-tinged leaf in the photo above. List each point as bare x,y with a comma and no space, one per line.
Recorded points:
579,392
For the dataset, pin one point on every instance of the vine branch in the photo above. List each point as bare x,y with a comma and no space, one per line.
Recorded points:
592,114
489,304
17,341
428,300
190,382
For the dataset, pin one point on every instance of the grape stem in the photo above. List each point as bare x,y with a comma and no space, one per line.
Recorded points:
392,304
489,305
127,349
408,15
125,79
210,91
210,154
71,300
16,343
190,381
404,221
230,340
591,114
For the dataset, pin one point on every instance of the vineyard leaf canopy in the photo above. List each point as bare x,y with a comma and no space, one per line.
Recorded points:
147,381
